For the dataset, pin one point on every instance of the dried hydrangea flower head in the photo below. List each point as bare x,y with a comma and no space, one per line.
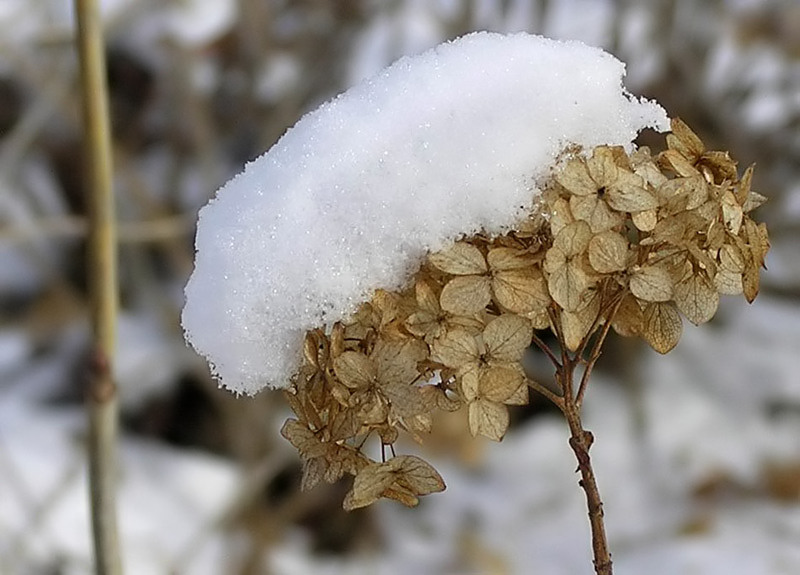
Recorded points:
629,242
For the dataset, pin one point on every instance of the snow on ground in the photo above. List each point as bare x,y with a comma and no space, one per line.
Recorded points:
168,498
437,146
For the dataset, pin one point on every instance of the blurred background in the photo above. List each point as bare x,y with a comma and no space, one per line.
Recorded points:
697,453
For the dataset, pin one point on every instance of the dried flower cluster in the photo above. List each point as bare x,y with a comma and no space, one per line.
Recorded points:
629,242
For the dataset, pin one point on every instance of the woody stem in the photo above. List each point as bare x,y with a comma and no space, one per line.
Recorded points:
581,441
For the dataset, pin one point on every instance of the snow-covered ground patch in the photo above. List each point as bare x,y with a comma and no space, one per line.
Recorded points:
167,500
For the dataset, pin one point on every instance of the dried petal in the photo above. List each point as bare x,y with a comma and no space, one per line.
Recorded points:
596,212
602,168
303,439
424,324
628,194
313,472
416,475
677,163
561,214
520,396
567,285
732,213
354,369
577,325
629,318
650,173
456,349
743,188
507,336
426,297
662,326
697,298
406,401
466,295
608,252
750,283
684,140
401,495
396,361
720,164
501,259
488,418
728,282
681,194
728,279
645,221
344,425
460,259
568,280
651,283
576,179
499,383
369,485
521,291
312,346
573,239
753,201
470,382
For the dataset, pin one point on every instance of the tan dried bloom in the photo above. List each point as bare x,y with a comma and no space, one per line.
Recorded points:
629,242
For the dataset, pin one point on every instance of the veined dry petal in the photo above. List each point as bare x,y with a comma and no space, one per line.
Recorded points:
488,418
628,194
466,295
651,283
576,179
697,298
456,349
502,259
369,485
507,336
662,326
498,383
608,252
354,369
521,290
595,212
684,140
460,259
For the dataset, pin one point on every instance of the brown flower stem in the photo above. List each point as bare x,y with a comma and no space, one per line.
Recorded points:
581,441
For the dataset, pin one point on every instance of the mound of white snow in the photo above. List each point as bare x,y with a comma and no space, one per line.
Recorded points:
350,199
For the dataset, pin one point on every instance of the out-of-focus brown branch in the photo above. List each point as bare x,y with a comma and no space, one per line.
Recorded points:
101,395
140,232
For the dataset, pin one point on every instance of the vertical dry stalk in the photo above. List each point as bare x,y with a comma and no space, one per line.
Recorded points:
580,441
101,393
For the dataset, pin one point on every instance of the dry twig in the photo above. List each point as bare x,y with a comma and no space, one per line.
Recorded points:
101,392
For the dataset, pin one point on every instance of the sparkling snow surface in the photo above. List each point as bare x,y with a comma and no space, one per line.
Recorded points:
349,200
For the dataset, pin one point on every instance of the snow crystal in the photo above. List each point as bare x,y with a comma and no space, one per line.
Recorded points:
349,200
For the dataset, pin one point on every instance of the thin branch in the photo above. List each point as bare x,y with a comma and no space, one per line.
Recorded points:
555,399
580,441
597,350
555,319
546,349
145,231
102,392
